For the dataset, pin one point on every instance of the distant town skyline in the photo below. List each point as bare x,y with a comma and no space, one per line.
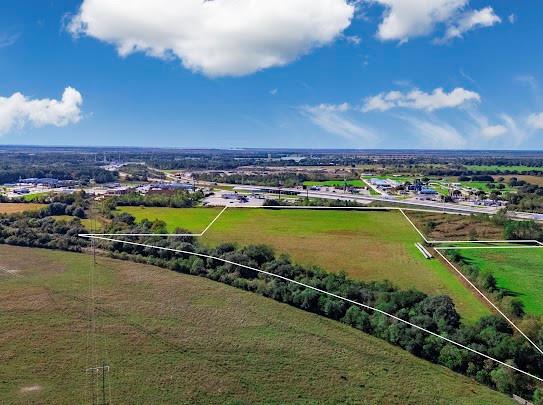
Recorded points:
379,74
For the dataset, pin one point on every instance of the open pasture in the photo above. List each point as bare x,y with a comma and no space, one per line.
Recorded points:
88,223
519,271
497,168
367,245
335,183
174,338
438,226
530,179
13,208
191,219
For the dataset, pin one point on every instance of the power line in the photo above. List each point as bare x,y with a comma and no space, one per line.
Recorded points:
321,291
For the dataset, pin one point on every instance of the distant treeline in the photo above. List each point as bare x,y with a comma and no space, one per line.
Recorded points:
176,199
282,179
54,165
312,202
528,198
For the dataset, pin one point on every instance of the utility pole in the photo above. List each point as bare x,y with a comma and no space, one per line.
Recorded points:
93,252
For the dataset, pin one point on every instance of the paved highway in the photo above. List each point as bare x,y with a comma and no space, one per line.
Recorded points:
365,199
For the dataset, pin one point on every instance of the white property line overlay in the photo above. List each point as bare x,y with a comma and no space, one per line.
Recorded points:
100,236
486,247
489,301
160,234
488,241
416,229
432,242
281,207
437,249
321,292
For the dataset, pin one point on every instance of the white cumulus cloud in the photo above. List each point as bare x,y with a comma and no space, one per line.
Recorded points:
536,120
17,110
419,100
405,19
219,37
472,20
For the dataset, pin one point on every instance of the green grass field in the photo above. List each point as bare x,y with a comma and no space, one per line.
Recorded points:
192,219
518,270
35,196
335,183
520,169
485,186
173,338
86,222
366,245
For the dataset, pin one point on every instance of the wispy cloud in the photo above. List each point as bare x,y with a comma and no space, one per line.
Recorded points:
468,77
333,119
535,120
434,133
483,126
533,85
7,39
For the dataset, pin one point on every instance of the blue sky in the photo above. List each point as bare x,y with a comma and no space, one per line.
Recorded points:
282,73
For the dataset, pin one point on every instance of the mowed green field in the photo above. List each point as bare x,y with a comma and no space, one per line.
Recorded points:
88,223
484,186
367,245
518,270
173,338
335,183
192,219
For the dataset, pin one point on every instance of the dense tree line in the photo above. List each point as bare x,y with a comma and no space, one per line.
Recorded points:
44,232
138,172
175,199
528,198
478,177
280,179
312,202
283,179
59,166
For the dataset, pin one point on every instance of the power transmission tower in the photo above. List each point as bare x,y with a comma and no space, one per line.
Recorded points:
94,372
